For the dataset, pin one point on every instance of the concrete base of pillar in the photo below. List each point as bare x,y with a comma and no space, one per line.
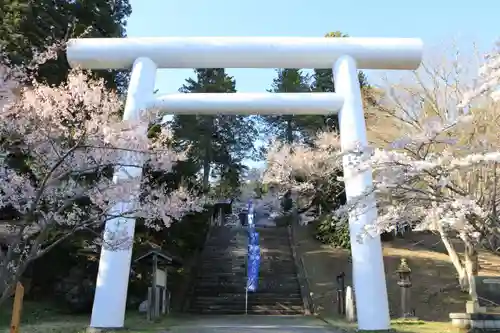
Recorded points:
105,329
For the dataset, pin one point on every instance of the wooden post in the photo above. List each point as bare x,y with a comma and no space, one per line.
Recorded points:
157,303
17,308
153,288
165,302
149,313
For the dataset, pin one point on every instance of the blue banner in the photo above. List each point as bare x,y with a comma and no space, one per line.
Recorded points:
253,261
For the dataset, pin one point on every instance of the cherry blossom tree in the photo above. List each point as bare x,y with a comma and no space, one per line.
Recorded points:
434,156
71,138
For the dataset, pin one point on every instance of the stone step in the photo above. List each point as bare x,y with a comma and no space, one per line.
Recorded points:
230,252
220,285
236,242
210,257
296,305
253,295
267,264
264,258
276,240
211,303
267,235
239,286
268,268
266,297
265,277
263,283
222,263
236,283
254,309
218,257
264,265
271,278
241,269
251,300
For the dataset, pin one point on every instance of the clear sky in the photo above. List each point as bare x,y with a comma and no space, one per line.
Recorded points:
432,20
435,21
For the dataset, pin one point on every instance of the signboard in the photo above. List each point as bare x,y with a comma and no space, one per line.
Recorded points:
161,278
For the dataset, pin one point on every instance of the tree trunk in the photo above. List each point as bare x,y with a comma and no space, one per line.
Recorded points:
206,175
206,167
289,131
471,267
463,278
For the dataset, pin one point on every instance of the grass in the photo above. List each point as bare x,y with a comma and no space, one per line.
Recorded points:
435,292
398,326
45,318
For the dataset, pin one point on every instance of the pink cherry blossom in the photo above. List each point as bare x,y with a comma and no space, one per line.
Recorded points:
68,134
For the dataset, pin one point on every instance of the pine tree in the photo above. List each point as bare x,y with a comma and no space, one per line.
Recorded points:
216,140
287,127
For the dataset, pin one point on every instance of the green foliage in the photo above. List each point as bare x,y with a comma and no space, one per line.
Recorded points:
330,230
70,281
218,143
264,189
29,26
288,127
229,183
182,239
323,82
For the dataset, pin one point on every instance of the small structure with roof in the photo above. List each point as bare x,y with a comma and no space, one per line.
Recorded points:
158,302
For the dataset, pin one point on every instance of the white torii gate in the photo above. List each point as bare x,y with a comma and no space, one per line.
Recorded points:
344,55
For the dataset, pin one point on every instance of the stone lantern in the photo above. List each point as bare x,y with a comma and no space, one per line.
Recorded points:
404,273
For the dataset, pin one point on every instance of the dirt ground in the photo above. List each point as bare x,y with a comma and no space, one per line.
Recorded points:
434,294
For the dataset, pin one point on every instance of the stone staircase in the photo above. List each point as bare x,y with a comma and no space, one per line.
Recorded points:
220,285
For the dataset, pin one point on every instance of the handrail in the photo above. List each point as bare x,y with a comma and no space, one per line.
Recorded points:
299,265
193,274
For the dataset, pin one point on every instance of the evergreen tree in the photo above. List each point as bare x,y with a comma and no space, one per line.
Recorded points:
230,179
323,78
215,140
323,82
30,26
287,127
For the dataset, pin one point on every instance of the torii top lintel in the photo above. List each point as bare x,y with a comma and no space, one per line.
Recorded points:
245,52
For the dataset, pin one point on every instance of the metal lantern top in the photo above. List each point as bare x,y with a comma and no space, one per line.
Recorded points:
340,278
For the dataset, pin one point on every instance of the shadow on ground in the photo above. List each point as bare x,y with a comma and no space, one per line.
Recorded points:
435,292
